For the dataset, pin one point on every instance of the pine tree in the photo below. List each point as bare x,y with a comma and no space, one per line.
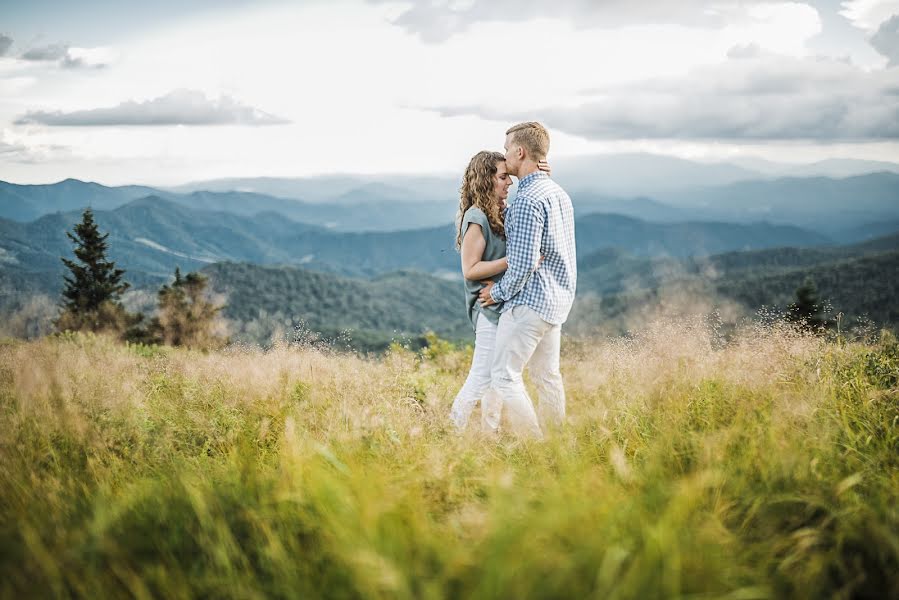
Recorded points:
808,310
96,280
92,294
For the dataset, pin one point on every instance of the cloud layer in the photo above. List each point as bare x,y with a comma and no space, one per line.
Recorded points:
754,98
886,40
435,22
68,57
180,107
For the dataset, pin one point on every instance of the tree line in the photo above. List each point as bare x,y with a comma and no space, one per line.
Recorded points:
185,315
92,299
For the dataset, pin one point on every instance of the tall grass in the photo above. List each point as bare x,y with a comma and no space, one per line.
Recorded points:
764,466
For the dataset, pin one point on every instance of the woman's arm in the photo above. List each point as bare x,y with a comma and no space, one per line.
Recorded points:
473,246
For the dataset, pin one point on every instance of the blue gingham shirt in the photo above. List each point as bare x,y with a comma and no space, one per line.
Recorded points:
540,222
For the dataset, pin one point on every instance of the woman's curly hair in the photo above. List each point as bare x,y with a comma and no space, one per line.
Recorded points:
477,190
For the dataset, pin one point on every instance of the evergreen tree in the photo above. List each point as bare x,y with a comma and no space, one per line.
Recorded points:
807,310
92,294
96,280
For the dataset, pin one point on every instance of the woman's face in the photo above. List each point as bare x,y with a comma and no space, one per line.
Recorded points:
501,182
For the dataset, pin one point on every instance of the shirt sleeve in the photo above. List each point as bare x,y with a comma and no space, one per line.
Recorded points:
524,235
474,216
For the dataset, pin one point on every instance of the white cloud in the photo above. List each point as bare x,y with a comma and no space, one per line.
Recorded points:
180,107
764,98
437,21
88,57
886,40
11,150
350,80
869,14
70,57
45,53
17,149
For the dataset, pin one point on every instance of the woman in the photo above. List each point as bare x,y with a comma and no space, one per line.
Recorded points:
481,240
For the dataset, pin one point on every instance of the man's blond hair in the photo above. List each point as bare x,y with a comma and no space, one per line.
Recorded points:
533,137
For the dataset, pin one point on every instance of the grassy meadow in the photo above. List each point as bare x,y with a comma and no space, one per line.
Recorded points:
761,466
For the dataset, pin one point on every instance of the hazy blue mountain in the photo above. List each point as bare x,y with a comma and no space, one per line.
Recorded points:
820,203
365,207
618,291
868,231
598,230
640,207
623,175
308,189
834,167
153,235
613,270
643,174
263,300
612,174
836,207
28,202
326,188
352,212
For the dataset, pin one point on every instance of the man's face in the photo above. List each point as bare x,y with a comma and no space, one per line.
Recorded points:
501,183
513,158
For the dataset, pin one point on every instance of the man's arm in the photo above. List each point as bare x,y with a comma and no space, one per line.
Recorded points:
524,234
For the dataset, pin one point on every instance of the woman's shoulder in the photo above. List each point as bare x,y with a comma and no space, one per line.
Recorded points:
474,210
474,215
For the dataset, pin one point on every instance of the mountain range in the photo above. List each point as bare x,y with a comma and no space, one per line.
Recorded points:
150,236
342,252
616,292
647,187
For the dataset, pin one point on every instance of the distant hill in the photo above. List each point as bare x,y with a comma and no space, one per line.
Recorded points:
614,270
367,208
28,202
823,204
595,231
615,291
150,236
264,301
670,191
834,167
322,189
643,174
858,280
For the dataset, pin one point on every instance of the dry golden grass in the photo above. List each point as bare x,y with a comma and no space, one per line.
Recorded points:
759,466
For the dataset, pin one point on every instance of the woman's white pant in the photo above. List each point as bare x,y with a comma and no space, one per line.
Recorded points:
478,382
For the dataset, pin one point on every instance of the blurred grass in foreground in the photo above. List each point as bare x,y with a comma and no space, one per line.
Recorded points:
761,467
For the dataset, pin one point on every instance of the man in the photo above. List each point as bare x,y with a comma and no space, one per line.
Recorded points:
537,293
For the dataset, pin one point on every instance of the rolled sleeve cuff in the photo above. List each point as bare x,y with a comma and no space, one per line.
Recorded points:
493,294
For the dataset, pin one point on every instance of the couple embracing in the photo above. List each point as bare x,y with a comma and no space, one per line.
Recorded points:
520,273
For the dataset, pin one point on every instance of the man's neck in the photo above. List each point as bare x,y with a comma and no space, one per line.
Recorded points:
527,167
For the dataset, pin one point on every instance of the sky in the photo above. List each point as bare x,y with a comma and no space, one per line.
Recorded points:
167,92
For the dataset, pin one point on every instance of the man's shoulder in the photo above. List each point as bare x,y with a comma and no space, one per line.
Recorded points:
542,192
554,188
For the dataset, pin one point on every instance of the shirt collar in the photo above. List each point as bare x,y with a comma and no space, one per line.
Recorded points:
531,178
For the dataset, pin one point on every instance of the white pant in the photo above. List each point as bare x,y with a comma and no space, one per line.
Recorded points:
478,381
524,339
